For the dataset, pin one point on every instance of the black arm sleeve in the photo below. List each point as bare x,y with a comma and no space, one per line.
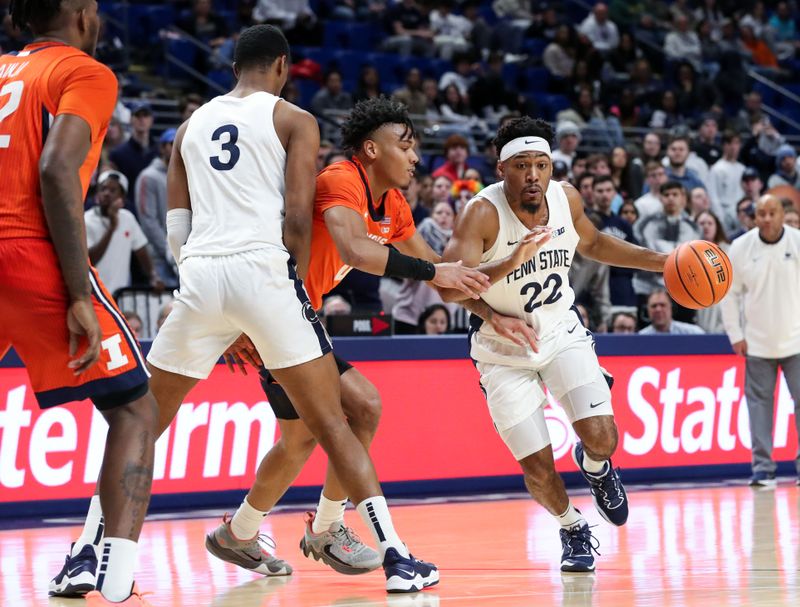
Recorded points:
405,266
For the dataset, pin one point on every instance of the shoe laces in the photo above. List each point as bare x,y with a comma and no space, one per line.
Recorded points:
266,541
346,535
581,537
609,486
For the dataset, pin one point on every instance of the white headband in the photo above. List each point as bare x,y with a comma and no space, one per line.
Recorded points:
524,144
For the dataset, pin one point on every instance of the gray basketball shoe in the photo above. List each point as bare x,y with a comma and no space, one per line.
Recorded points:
340,548
248,554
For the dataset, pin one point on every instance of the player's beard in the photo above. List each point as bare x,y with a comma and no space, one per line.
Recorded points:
531,207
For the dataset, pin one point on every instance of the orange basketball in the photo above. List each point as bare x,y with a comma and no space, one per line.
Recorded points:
698,274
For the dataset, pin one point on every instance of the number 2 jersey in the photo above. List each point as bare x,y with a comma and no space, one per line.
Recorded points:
37,84
538,291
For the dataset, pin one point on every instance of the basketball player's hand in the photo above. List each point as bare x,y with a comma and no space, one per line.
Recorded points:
740,348
515,329
469,281
82,321
241,351
531,242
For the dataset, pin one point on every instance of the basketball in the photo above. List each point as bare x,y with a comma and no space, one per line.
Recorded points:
698,274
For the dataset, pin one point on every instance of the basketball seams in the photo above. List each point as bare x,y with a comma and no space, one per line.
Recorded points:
728,268
705,271
677,254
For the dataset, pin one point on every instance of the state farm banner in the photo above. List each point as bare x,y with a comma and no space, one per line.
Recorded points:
671,411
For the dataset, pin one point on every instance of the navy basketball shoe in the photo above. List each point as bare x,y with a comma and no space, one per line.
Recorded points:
577,544
607,490
407,574
78,576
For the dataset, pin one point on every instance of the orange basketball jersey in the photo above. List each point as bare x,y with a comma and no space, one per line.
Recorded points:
345,184
37,84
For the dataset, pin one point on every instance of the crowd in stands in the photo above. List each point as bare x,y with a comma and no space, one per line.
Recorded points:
657,124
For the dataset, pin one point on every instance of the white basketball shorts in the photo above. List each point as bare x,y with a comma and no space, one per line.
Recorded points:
254,292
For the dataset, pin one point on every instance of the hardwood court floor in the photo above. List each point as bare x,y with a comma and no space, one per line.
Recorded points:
708,547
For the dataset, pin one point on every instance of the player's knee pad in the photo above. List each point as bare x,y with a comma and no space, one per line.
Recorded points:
528,436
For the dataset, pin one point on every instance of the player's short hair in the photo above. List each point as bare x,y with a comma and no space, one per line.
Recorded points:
600,179
260,46
523,127
34,14
368,116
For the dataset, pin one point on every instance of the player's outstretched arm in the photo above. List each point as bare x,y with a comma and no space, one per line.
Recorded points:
475,232
301,168
606,248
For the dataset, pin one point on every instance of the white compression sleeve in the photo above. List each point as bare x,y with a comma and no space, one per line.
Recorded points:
179,224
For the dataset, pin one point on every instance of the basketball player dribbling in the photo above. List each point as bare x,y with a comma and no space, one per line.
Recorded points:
492,235
57,102
358,208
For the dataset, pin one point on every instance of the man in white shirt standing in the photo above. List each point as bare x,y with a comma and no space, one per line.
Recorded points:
762,323
650,203
113,234
725,182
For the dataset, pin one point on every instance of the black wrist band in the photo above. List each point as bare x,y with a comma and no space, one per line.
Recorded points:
404,266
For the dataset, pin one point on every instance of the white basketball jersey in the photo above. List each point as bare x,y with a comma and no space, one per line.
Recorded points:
235,165
539,290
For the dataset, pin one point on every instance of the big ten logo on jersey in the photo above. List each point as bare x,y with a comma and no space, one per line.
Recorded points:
716,263
116,357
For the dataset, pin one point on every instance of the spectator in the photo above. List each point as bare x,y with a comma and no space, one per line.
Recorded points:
595,126
205,25
645,86
462,75
759,151
666,115
785,163
659,310
725,181
115,136
760,53
650,203
441,188
746,214
134,322
411,94
629,213
600,30
331,98
369,84
683,44
559,55
623,58
568,137
752,186
450,32
623,323
698,203
435,320
784,29
489,96
412,196
710,13
335,305
188,104
463,191
678,154
113,234
163,313
514,20
711,229
627,174
294,17
579,165
135,155
652,148
408,30
619,279
415,296
762,323
456,151
151,206
325,148
792,218
706,145
663,232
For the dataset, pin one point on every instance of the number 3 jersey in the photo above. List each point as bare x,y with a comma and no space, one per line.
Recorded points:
538,291
38,83
235,165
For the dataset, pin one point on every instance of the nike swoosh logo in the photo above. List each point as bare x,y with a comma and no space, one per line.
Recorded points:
511,244
529,142
593,405
572,329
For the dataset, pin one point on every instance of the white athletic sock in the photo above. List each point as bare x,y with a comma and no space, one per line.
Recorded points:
247,520
328,512
571,517
92,528
591,466
375,513
115,577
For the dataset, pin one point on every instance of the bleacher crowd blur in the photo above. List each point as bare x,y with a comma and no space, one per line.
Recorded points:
671,118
